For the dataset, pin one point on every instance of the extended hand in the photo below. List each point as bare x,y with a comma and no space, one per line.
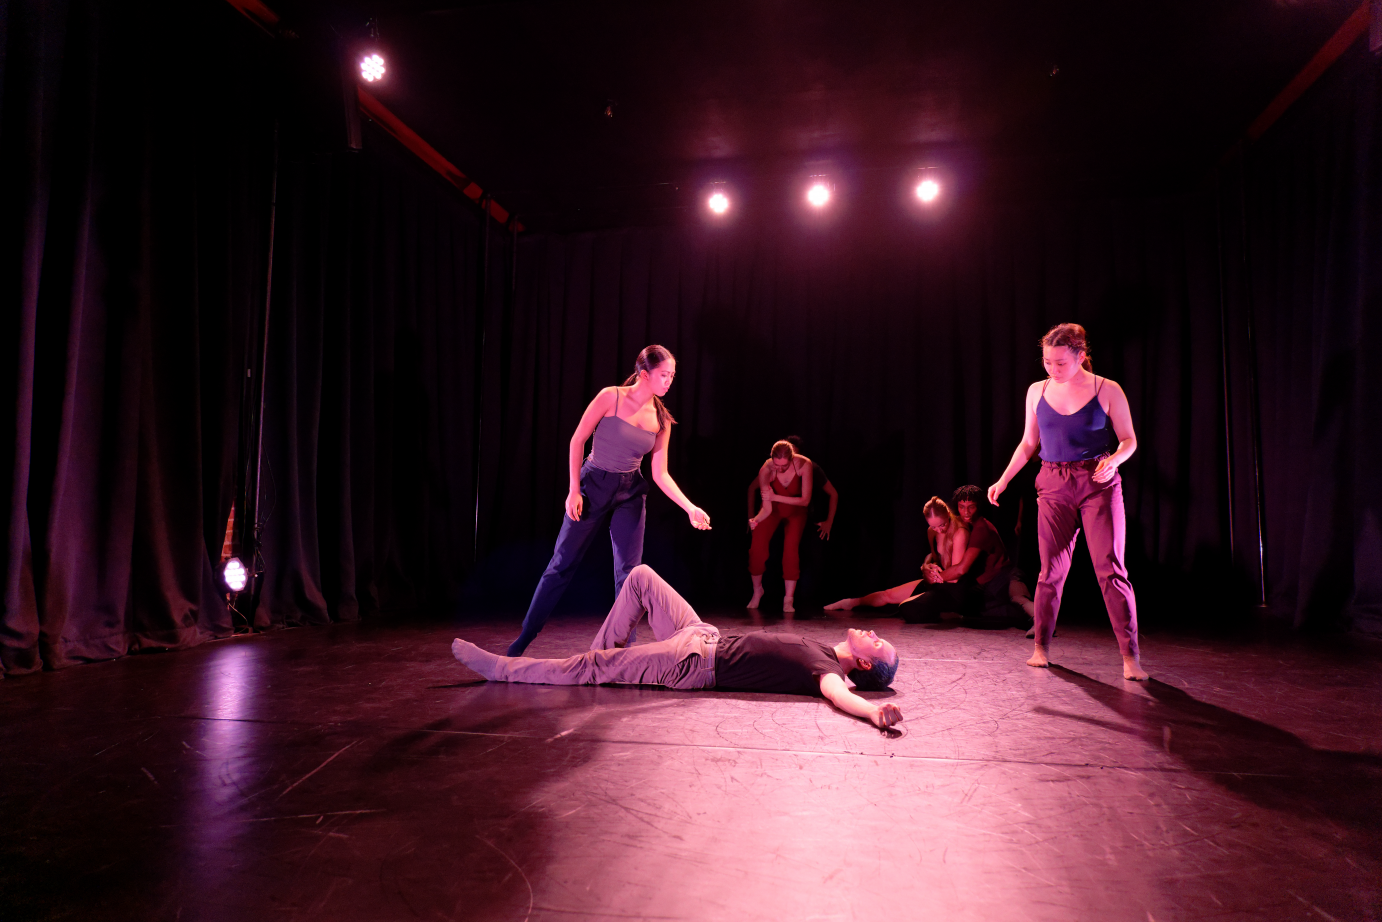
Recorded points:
575,503
885,715
995,490
824,528
1104,470
698,517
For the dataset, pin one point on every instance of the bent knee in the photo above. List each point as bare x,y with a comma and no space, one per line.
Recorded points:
642,573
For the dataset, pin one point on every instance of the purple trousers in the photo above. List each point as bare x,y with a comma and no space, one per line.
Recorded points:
1068,498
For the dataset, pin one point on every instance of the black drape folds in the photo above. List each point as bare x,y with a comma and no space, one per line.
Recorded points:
1302,213
1240,317
140,210
126,211
900,355
369,489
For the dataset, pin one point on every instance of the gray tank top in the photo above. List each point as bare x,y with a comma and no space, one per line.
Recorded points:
620,446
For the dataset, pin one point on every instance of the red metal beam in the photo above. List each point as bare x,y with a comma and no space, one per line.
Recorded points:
428,154
263,17
1355,26
257,13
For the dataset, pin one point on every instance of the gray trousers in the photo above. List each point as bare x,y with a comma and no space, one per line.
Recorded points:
680,636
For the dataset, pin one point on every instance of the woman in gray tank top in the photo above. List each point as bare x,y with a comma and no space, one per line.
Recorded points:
1083,427
627,423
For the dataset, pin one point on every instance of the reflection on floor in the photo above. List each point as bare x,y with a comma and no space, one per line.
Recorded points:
357,772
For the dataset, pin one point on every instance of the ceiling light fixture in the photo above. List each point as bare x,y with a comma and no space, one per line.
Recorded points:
372,67
819,192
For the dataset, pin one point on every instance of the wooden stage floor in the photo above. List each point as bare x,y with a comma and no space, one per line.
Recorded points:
357,772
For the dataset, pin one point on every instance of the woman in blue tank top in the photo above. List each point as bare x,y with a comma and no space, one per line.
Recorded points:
626,422
1083,427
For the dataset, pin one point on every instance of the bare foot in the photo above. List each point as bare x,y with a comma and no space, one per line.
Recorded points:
757,597
1039,657
482,661
1132,669
842,605
787,605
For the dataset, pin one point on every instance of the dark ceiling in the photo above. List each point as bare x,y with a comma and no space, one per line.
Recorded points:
1029,98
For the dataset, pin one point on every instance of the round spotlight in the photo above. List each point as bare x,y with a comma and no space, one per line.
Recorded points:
234,575
372,68
818,194
719,203
928,189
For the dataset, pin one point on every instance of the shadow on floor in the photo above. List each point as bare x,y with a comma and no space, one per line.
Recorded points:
1254,760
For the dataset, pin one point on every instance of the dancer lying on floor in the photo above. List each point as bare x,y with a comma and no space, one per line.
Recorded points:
946,584
690,654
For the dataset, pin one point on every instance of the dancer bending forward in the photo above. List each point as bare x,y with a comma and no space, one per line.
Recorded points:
946,582
785,480
1083,426
626,422
690,654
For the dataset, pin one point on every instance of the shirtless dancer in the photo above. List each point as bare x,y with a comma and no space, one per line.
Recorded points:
942,572
690,654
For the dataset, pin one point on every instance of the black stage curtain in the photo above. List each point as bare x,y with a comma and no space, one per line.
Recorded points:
901,353
138,209
1302,222
140,175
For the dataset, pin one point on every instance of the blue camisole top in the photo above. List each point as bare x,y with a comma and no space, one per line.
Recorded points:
1087,433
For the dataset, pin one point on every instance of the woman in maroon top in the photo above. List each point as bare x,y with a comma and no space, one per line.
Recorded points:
786,482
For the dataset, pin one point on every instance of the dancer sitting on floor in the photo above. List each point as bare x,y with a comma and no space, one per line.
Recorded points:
785,480
690,654
998,578
1083,427
946,582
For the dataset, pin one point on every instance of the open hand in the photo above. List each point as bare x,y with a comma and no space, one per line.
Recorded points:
1104,470
575,503
824,528
885,715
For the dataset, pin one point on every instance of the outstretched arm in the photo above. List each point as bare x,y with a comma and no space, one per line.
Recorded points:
837,693
669,486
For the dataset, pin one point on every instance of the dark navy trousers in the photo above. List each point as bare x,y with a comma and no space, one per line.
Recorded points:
619,500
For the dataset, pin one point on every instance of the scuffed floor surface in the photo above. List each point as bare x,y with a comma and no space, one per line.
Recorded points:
359,773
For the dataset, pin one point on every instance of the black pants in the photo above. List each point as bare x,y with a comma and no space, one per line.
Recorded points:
962,597
613,499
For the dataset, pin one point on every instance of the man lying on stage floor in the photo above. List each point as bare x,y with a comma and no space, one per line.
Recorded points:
690,654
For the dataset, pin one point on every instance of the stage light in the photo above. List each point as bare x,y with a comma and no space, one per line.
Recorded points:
818,194
718,203
372,68
928,189
234,575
